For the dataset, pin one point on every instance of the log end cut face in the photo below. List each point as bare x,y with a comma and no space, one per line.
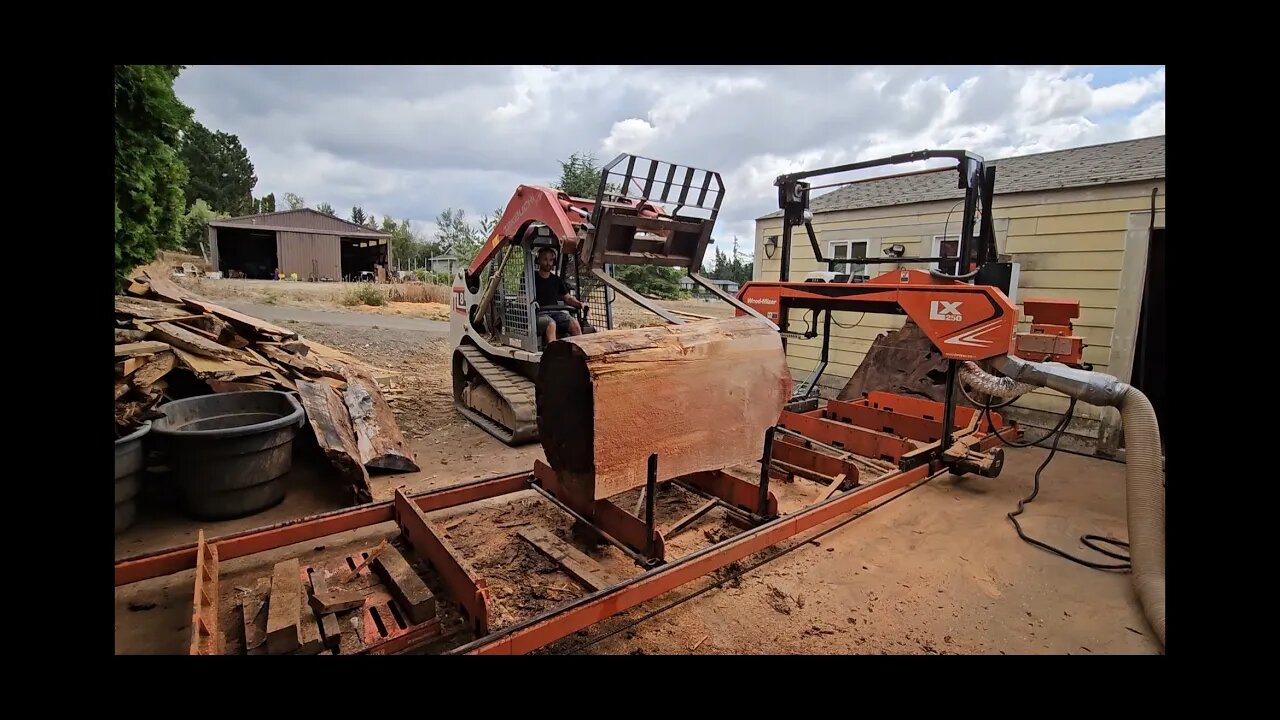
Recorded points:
700,395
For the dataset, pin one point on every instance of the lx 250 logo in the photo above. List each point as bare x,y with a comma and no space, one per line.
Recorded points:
943,310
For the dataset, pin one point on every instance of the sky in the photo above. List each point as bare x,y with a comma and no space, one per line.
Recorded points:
410,141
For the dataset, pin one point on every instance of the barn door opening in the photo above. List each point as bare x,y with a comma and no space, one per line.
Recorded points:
1148,363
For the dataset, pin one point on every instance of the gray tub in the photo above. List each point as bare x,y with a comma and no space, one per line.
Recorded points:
230,451
129,461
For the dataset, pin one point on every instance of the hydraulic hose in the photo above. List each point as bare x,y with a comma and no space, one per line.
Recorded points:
1144,467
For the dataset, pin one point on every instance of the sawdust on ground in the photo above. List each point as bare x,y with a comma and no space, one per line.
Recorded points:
939,573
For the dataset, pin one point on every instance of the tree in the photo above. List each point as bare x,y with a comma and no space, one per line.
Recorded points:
196,225
579,176
372,221
294,202
327,209
266,204
660,282
455,234
730,268
357,215
149,172
221,173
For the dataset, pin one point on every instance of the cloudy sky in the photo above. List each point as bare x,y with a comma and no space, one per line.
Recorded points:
412,141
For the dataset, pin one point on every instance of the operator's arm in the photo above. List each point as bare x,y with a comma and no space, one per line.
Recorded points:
568,297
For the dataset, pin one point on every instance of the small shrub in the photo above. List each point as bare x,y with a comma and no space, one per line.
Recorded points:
419,293
364,294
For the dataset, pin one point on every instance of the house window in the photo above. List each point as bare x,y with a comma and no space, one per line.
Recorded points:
852,250
946,246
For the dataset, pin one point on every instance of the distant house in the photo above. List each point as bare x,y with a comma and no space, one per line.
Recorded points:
688,285
305,242
446,263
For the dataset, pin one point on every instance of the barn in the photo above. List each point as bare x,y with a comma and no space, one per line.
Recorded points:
304,243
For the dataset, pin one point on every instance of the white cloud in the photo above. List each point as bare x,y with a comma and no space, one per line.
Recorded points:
1148,122
412,141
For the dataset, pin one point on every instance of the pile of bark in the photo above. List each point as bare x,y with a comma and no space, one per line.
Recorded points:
171,344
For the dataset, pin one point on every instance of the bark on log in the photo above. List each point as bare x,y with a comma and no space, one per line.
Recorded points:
904,362
700,395
378,438
328,417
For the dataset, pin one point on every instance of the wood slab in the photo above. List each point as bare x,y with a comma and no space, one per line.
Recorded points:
207,368
327,414
378,438
157,367
181,337
146,347
333,601
329,627
408,589
149,309
284,608
700,395
168,290
253,613
124,335
576,563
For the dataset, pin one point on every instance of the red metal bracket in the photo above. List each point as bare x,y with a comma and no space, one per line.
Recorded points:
622,525
465,587
733,490
791,457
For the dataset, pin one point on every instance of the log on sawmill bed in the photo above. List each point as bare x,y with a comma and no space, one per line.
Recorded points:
700,395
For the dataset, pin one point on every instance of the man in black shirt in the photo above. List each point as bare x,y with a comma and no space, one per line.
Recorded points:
551,290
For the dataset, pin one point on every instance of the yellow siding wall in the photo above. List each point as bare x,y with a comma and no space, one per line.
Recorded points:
1070,244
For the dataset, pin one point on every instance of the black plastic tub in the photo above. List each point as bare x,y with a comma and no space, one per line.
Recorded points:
229,451
129,457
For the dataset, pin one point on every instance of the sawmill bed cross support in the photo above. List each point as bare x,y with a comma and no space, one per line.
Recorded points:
468,590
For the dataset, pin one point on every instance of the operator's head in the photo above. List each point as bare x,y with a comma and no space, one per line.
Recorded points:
546,259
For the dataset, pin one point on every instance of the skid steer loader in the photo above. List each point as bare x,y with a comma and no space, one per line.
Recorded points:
645,212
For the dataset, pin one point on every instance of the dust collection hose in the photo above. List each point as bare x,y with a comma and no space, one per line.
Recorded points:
1144,469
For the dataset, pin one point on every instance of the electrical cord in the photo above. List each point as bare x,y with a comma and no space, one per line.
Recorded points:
746,570
1089,541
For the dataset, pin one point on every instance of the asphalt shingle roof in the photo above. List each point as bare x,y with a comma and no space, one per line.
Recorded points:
1125,161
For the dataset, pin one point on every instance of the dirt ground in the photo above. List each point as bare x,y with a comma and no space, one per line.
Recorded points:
939,571
335,295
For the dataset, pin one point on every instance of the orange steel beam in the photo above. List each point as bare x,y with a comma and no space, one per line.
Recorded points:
540,631
172,560
463,586
861,441
792,451
735,491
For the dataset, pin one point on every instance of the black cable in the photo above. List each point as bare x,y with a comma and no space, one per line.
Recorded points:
744,571
1087,540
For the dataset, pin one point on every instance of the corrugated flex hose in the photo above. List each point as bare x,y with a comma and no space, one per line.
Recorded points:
1144,465
1144,476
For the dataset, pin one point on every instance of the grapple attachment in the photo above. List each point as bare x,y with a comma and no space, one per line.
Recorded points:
649,212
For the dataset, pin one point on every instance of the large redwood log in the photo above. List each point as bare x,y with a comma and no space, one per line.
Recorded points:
700,395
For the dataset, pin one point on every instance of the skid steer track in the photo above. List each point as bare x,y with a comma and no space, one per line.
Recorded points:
499,400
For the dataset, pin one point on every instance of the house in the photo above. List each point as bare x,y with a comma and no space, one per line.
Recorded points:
1079,223
445,263
688,285
305,242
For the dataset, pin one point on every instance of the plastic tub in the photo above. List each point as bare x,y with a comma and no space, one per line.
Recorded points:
129,458
229,451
